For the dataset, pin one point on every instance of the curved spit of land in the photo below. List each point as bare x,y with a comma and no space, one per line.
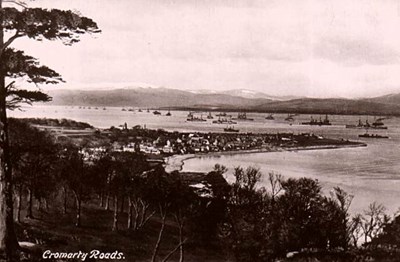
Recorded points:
258,143
175,147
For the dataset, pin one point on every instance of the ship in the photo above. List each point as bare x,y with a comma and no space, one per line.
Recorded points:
269,117
377,124
231,129
156,112
243,117
224,121
320,122
192,118
366,135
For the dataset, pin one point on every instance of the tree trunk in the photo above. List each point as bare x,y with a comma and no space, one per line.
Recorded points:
136,222
163,213
8,239
180,219
102,199
130,213
39,204
65,211
122,205
115,221
181,257
30,204
46,204
78,210
107,207
19,204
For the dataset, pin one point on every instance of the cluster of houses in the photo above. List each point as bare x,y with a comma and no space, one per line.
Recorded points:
168,143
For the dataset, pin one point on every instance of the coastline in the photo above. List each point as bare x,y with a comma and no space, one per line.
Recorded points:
176,162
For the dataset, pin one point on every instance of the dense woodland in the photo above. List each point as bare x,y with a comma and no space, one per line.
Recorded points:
63,197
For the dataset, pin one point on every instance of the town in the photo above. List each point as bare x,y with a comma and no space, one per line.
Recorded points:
160,143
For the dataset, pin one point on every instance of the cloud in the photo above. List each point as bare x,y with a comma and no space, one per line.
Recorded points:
310,47
355,52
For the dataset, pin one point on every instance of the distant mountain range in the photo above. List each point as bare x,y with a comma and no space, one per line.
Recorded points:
232,100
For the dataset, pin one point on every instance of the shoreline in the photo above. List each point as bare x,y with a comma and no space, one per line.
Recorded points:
176,162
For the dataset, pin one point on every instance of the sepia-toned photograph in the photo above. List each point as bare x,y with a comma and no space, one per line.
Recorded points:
200,130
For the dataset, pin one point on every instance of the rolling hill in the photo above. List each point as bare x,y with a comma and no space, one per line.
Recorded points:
234,100
149,97
330,106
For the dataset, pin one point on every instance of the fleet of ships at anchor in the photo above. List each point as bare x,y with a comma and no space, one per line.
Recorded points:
224,118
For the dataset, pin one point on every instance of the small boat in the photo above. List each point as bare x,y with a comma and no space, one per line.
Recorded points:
131,110
289,117
222,114
123,109
148,110
366,135
168,114
210,116
104,108
269,117
231,129
156,112
140,110
96,108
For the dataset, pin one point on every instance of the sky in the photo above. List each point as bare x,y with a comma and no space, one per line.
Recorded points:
315,48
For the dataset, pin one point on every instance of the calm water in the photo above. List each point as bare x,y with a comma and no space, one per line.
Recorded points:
371,173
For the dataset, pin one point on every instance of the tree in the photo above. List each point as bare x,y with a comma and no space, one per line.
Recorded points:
126,181
36,24
79,177
160,193
390,235
245,221
340,224
301,207
34,154
183,204
373,221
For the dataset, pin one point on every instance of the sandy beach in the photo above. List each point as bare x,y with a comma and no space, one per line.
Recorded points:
176,162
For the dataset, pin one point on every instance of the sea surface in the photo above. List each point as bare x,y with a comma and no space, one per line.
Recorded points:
369,173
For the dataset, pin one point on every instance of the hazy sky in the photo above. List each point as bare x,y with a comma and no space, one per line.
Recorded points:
313,48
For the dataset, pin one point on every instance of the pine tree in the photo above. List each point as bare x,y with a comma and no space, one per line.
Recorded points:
17,21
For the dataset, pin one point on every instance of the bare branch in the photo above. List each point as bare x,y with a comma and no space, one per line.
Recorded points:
174,250
19,3
10,40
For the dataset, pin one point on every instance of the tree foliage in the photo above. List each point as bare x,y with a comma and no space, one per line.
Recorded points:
39,24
